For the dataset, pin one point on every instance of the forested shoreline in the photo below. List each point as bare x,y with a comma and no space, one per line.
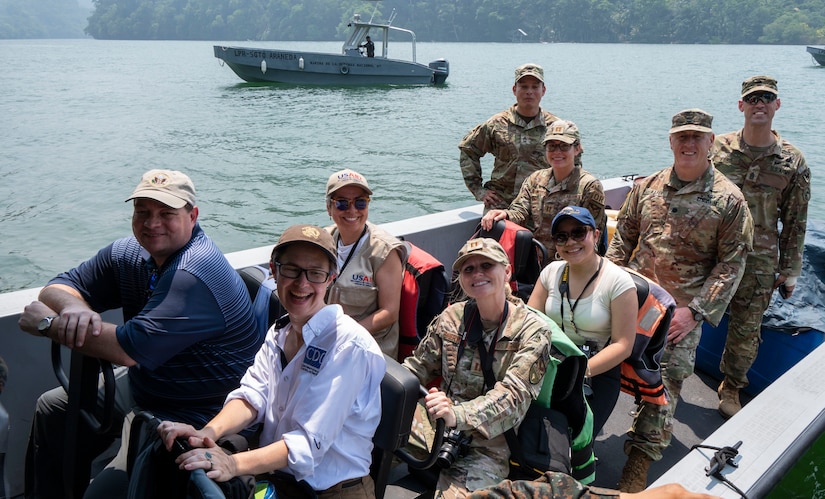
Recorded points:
581,21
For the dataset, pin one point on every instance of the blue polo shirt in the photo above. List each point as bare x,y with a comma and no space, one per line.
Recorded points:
189,324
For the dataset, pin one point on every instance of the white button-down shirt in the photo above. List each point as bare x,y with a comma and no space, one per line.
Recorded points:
325,404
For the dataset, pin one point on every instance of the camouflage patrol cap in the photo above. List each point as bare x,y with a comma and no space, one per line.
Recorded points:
563,131
530,69
482,246
692,119
759,83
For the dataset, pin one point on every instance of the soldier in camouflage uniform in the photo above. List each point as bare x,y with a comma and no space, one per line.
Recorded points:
547,191
688,228
513,337
776,181
514,137
554,485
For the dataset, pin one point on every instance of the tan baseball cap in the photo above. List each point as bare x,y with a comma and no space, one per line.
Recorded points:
170,187
692,119
563,131
311,234
482,246
530,69
344,178
759,83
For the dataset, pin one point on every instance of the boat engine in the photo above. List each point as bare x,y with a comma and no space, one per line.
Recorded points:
441,69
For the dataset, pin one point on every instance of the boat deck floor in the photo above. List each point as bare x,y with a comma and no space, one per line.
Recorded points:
695,419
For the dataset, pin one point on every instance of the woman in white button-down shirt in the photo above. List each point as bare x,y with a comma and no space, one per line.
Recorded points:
314,387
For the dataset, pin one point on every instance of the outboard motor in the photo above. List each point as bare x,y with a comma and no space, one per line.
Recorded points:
441,69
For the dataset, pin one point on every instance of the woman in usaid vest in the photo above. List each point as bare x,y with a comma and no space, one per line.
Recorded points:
593,301
493,331
314,388
370,261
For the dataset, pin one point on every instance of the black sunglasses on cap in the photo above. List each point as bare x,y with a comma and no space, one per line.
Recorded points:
766,97
561,146
577,234
343,203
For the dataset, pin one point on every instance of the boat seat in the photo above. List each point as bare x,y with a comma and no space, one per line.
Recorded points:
399,395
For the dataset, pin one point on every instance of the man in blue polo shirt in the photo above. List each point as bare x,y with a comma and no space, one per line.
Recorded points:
188,336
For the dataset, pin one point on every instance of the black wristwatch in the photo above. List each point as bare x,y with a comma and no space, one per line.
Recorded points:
697,316
44,324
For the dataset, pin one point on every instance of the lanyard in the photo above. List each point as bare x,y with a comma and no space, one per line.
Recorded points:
351,252
564,288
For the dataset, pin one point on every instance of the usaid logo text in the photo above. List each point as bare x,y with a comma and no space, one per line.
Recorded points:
313,359
361,280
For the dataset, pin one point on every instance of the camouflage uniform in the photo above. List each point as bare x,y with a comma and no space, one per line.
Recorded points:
552,485
521,356
517,147
777,184
691,238
541,198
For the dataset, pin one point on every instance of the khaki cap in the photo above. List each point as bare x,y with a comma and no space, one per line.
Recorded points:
311,234
482,246
530,69
563,131
344,178
692,119
759,83
170,187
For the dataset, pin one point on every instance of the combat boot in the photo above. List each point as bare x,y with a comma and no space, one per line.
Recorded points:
634,474
728,400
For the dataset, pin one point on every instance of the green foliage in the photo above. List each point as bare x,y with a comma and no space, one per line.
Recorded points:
586,21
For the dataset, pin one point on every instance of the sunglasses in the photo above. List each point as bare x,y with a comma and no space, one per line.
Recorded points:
471,269
577,234
344,204
766,97
294,272
561,146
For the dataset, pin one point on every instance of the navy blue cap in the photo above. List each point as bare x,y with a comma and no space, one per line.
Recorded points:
577,213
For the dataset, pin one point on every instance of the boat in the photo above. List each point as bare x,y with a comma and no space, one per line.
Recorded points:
784,411
818,54
350,67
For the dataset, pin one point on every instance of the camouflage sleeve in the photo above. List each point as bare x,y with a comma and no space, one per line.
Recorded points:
425,362
552,485
520,209
473,146
793,212
593,199
735,241
626,236
504,406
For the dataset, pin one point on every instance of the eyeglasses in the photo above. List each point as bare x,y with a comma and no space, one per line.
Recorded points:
471,269
343,204
294,272
766,97
561,146
577,234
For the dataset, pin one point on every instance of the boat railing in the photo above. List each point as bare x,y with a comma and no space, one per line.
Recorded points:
360,30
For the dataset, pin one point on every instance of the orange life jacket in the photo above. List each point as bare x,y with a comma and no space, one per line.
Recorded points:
641,371
424,291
